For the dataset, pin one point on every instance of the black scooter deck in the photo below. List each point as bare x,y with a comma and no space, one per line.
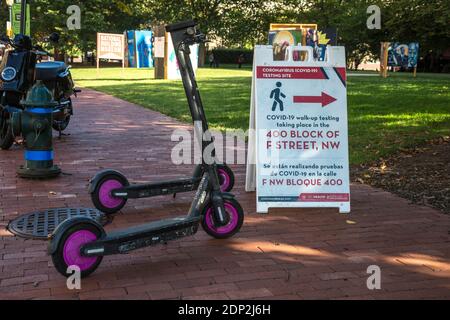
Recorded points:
145,235
157,188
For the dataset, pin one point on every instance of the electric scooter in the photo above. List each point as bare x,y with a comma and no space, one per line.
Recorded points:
83,242
110,189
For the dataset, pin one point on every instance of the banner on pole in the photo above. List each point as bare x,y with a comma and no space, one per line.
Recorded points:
16,18
298,156
159,47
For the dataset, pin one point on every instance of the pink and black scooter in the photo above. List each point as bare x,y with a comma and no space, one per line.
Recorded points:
110,189
83,242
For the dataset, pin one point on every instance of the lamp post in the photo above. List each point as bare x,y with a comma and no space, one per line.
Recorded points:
9,3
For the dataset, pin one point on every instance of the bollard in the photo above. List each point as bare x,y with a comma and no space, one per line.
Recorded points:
35,125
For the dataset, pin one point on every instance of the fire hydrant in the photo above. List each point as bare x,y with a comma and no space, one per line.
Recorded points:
35,125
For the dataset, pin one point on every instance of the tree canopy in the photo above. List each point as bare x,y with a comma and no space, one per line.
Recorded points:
244,23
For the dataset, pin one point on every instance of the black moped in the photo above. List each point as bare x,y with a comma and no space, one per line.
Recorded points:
18,72
83,242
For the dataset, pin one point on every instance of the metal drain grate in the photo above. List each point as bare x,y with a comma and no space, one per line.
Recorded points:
40,224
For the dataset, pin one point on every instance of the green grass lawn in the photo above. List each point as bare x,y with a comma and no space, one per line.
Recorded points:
385,115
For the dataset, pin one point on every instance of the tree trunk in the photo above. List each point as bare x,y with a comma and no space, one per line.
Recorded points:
201,55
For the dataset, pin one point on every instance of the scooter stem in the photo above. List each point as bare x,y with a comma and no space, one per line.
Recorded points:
181,42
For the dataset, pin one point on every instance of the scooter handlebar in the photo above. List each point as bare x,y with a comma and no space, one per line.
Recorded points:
40,51
200,37
192,34
180,26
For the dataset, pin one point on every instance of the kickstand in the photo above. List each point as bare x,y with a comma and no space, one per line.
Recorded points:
62,134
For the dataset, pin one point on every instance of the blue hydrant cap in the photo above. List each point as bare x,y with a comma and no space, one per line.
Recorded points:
39,96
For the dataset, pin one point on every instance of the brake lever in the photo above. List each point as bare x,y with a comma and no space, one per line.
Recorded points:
200,38
42,53
194,39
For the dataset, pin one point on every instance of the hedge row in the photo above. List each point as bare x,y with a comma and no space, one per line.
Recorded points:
231,55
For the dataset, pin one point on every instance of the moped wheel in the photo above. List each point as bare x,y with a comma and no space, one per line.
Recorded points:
68,252
61,125
236,219
226,177
6,136
102,196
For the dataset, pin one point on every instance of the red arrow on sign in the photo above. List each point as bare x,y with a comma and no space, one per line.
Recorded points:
324,99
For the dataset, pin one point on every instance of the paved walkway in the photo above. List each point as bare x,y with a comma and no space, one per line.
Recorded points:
292,254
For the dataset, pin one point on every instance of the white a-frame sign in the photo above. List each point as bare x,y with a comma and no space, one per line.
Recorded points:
298,150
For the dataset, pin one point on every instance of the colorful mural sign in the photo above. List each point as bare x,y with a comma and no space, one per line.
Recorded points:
304,35
319,40
144,47
281,36
140,45
403,55
131,49
413,54
291,37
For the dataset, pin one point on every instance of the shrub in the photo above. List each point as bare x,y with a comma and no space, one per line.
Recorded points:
231,55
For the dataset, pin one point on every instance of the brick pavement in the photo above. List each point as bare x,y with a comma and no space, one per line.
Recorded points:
289,254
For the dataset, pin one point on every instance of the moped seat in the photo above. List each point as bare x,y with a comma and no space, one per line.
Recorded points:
49,70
